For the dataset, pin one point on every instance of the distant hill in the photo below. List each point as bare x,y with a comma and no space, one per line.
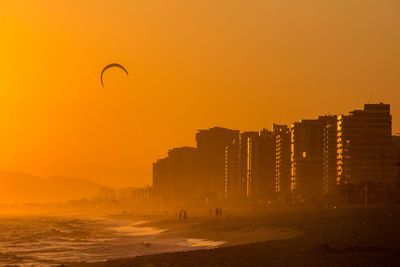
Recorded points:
18,188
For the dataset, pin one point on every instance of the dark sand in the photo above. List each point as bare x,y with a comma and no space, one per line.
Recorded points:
296,237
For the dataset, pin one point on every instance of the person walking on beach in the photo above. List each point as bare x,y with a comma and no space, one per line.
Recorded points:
217,212
184,215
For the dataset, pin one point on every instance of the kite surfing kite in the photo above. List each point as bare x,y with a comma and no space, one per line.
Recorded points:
112,65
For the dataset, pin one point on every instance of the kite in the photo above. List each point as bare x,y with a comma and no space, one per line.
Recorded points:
112,65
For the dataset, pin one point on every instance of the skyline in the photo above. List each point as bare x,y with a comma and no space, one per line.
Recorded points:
57,120
308,161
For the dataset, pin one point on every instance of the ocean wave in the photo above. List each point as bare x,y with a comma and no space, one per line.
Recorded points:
55,240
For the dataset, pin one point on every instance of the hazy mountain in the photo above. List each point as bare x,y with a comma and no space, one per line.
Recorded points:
17,187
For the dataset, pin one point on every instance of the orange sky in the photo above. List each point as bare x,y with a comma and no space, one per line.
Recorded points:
192,64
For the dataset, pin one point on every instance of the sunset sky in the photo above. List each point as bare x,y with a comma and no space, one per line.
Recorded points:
192,64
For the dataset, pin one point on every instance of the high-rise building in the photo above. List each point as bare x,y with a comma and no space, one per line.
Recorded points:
183,169
365,146
261,166
232,172
244,140
330,157
281,135
175,178
396,144
211,146
162,186
307,148
268,153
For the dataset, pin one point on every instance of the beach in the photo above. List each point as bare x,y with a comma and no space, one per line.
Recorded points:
44,240
352,236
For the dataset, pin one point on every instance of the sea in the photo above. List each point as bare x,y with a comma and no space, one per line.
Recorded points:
51,241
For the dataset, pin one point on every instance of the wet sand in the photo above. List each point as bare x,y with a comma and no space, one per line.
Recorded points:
283,237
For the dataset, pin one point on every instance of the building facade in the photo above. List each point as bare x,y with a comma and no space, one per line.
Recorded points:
261,166
307,151
211,145
244,164
365,146
232,172
330,158
175,178
281,135
162,184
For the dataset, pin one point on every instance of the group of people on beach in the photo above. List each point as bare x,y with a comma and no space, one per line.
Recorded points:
183,215
218,212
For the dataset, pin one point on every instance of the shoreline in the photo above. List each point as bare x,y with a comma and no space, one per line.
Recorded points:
239,229
336,237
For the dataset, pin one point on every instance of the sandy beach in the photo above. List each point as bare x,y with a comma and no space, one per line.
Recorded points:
355,236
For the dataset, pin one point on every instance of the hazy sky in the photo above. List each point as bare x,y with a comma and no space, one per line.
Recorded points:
192,64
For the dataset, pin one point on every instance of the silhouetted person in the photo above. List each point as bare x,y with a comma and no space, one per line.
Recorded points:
180,215
216,212
220,212
184,215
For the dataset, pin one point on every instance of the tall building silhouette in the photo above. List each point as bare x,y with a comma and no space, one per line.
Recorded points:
175,178
307,148
396,144
184,171
211,146
244,164
162,185
232,172
365,146
330,157
281,134
261,166
310,158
